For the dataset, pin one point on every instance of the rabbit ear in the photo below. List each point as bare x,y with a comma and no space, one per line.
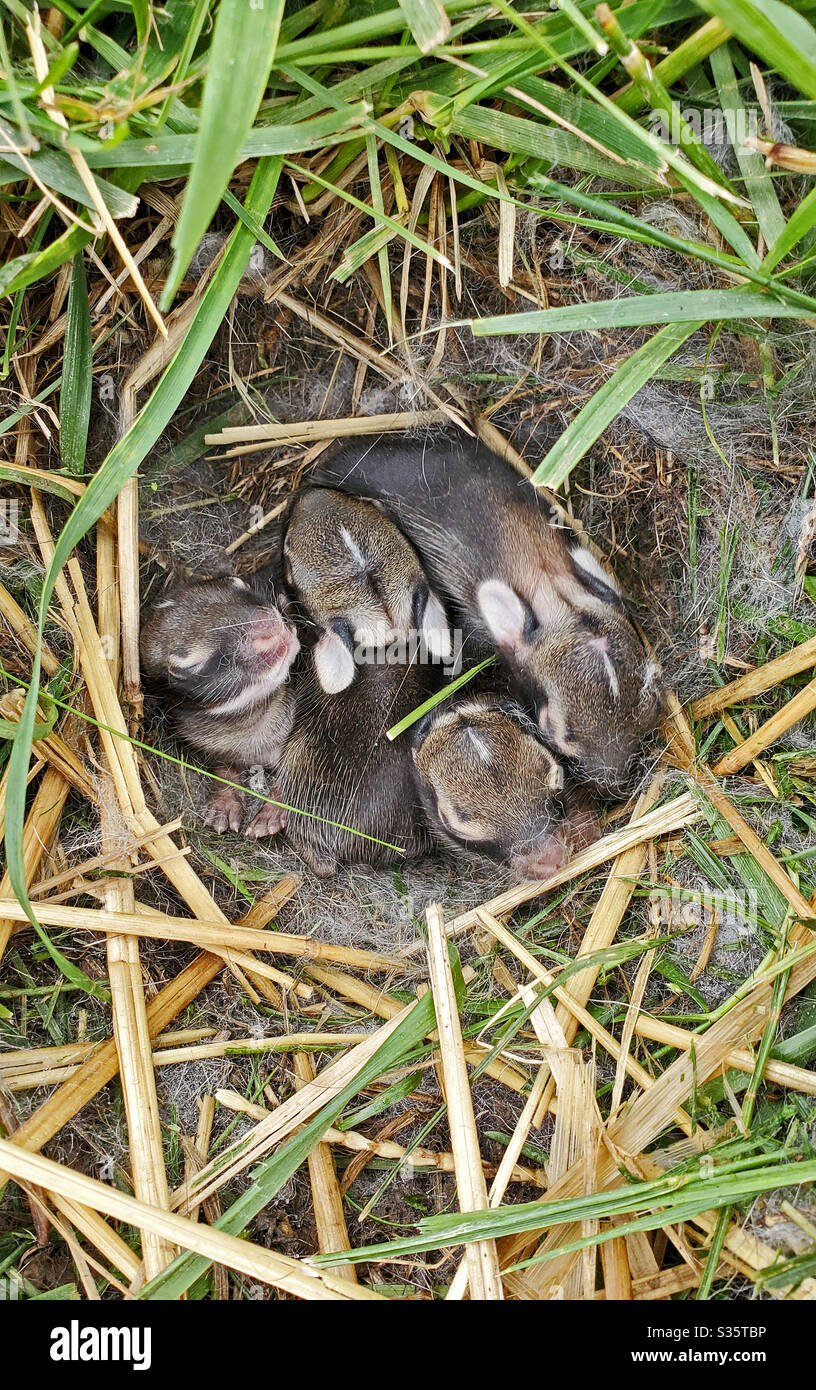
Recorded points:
334,662
507,618
592,578
189,661
429,617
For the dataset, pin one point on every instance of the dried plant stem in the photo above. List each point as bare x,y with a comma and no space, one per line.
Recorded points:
664,820
307,431
210,934
797,708
481,1258
251,1260
26,631
79,162
132,1039
41,823
779,1073
332,1232
781,668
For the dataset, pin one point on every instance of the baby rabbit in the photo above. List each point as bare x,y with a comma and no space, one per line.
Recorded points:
359,580
220,653
338,765
519,584
488,784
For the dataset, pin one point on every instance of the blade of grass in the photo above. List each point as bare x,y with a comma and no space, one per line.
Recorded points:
798,225
427,21
22,271
599,412
635,311
240,59
779,36
77,382
609,217
668,1199
437,699
758,182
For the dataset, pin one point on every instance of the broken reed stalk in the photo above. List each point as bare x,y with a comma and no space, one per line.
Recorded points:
136,1071
481,1257
781,668
96,1230
664,820
332,1232
53,748
507,1167
105,219
578,1125
41,824
357,1143
128,1007
641,980
307,431
254,1261
797,708
208,934
616,1272
360,992
26,632
738,739
103,1064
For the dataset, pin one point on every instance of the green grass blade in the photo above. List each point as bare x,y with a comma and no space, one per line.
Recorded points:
434,700
121,464
372,157
179,151
667,1199
778,35
636,311
23,271
599,412
798,225
58,174
535,140
241,56
75,391
606,212
427,21
758,182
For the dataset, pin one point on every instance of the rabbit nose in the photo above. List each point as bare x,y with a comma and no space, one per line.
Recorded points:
544,859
